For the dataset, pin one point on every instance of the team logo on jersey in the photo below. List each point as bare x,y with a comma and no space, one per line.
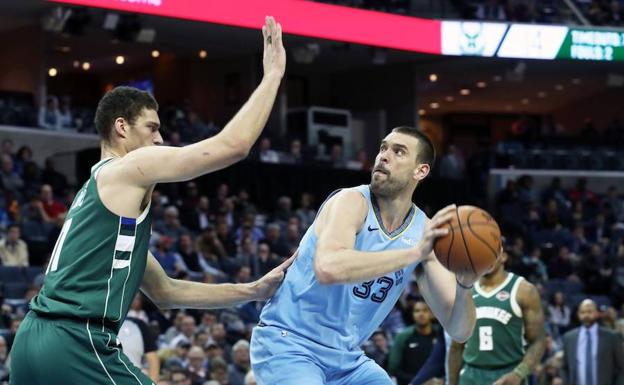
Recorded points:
502,295
398,276
408,241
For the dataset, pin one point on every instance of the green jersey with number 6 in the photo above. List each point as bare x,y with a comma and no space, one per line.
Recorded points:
98,262
498,337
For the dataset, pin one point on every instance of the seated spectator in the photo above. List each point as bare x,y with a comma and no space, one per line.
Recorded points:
452,165
13,250
559,314
240,363
275,240
294,156
187,332
170,261
8,177
266,154
536,271
50,115
50,176
360,162
562,266
198,365
65,114
336,157
378,349
306,211
52,207
170,226
219,371
596,271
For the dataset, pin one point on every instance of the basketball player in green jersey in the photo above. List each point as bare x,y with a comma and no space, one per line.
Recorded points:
509,318
101,257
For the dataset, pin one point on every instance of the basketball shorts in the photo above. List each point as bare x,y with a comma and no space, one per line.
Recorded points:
472,375
64,351
280,357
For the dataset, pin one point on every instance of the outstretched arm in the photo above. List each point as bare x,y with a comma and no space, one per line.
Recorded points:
336,260
169,293
529,300
155,164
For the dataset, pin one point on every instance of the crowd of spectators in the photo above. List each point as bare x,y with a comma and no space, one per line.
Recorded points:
569,243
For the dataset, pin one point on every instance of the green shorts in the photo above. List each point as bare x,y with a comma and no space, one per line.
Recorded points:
472,375
64,351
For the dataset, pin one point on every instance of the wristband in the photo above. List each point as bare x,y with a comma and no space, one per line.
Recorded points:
462,285
522,370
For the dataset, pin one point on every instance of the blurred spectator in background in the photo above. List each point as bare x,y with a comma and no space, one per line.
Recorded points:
266,154
306,212
10,179
13,250
452,165
378,350
50,115
559,314
52,207
240,363
294,156
66,117
50,176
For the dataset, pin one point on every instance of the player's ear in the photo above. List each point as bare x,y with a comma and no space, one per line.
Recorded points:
421,171
121,127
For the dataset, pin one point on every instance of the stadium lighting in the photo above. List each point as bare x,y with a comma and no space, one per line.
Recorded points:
576,81
541,94
76,63
434,105
559,87
203,54
421,112
52,72
449,98
433,77
120,59
155,53
524,101
481,84
464,91
497,78
86,66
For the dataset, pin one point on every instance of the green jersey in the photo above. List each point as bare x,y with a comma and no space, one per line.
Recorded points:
498,337
98,262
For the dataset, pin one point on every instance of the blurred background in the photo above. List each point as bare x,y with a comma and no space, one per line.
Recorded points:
522,98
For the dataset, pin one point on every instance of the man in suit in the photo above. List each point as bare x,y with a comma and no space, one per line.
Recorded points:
593,355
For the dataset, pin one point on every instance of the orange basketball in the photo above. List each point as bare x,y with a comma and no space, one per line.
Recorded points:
473,242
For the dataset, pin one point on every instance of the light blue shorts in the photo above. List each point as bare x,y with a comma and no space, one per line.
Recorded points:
280,357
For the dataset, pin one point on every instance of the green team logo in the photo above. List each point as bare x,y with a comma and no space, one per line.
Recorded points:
472,41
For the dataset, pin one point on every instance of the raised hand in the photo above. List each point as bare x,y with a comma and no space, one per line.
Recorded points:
274,57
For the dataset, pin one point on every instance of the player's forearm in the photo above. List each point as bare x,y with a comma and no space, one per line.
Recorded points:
535,352
455,362
463,315
195,295
153,367
352,266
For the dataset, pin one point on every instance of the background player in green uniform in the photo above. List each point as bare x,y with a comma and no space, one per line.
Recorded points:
509,319
101,257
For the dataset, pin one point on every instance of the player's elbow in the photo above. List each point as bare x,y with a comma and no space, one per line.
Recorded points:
237,149
325,273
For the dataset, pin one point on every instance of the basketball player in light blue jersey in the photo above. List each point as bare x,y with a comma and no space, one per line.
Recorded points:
353,264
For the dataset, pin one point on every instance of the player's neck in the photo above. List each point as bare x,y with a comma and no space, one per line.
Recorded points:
393,211
111,152
492,282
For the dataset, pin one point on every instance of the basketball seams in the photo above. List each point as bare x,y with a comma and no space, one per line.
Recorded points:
476,235
464,240
448,254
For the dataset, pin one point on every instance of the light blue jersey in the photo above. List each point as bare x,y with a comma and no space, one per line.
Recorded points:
343,316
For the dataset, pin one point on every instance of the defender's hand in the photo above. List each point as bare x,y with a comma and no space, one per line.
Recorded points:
274,58
266,286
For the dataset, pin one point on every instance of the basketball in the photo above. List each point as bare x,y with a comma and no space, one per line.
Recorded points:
473,242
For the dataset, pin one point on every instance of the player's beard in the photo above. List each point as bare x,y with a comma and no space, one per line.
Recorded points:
387,186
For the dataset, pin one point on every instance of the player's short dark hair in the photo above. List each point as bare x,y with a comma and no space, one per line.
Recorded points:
121,102
426,152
